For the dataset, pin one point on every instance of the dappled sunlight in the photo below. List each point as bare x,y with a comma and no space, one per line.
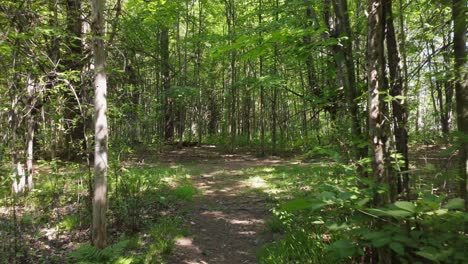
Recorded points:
231,219
230,211
187,243
268,169
256,182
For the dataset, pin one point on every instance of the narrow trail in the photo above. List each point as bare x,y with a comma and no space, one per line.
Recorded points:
226,220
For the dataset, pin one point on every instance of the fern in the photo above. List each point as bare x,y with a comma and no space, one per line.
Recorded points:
89,254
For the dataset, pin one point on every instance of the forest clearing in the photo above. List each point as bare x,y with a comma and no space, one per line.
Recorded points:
233,131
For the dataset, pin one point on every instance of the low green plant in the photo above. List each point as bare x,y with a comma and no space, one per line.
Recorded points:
163,235
275,225
115,253
329,206
69,223
296,247
185,192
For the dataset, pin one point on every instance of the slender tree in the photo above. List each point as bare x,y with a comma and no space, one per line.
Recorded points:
165,72
75,127
99,232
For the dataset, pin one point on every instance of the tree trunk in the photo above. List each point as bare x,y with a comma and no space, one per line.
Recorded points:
99,232
274,102
262,90
166,84
231,23
30,133
198,75
448,88
75,134
400,114
375,75
345,63
376,107
461,90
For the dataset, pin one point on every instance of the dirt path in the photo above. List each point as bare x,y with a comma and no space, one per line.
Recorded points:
226,221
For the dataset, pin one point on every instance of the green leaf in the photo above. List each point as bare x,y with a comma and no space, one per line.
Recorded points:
316,205
381,241
363,202
427,255
405,205
343,248
326,196
455,203
405,240
375,235
396,213
296,205
398,248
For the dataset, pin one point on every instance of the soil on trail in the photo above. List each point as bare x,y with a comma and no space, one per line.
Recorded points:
226,220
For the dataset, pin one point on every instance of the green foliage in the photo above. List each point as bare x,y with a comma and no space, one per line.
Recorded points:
185,192
69,223
275,224
338,215
136,191
115,253
323,152
163,235
297,246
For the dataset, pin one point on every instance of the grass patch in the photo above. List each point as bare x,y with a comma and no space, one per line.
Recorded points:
298,247
185,192
275,225
163,236
115,253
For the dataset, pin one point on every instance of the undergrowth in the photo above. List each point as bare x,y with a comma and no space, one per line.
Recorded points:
58,209
323,217
159,242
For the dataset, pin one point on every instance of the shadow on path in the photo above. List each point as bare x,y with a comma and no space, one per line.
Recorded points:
226,221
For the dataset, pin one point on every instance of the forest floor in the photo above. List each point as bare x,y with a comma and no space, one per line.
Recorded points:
226,220
217,205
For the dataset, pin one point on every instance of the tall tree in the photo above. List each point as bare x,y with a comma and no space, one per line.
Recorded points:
165,72
344,60
262,89
231,16
377,109
375,76
461,89
400,115
73,65
99,232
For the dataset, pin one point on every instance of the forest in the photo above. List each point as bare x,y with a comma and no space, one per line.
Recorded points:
233,131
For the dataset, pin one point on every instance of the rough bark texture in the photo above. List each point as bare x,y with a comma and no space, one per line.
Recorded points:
376,109
461,89
344,60
376,77
99,232
400,114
